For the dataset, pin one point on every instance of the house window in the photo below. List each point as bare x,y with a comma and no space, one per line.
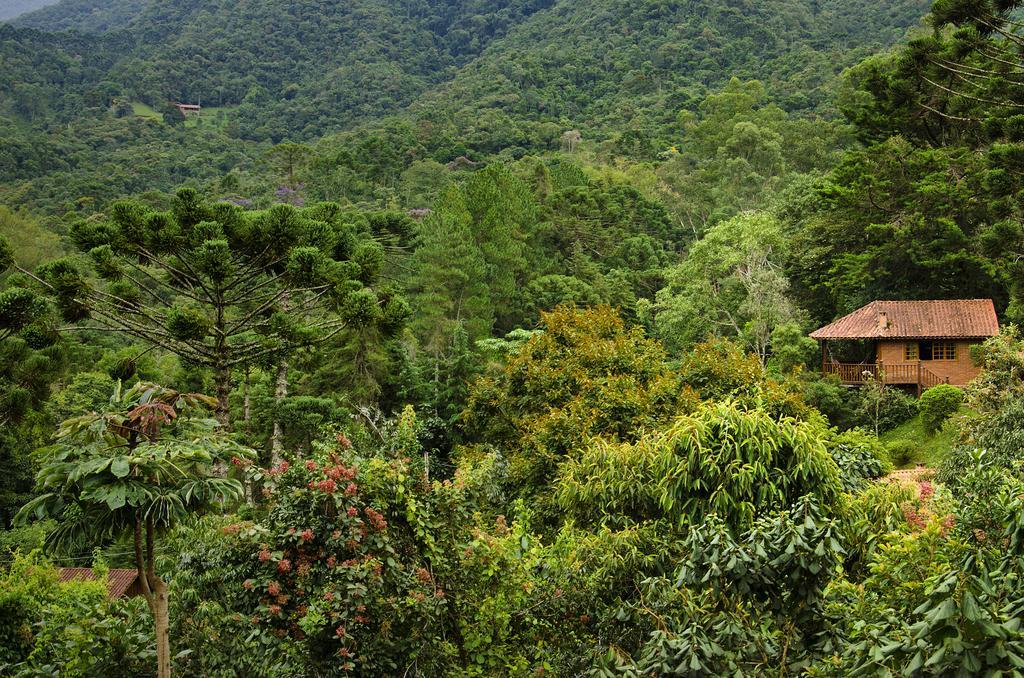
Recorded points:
937,350
944,350
910,352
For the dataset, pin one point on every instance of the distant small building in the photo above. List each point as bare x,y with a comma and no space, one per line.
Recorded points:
915,343
189,109
120,583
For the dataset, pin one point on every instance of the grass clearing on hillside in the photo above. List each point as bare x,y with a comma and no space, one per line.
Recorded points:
144,111
923,447
216,117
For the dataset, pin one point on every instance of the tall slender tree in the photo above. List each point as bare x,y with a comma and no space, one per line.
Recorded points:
219,287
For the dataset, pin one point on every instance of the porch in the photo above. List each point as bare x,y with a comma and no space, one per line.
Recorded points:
905,374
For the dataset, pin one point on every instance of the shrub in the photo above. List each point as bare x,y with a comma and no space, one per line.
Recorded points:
884,407
721,459
938,404
860,458
901,452
838,403
999,437
45,623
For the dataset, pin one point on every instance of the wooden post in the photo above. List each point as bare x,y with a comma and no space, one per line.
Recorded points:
823,342
918,378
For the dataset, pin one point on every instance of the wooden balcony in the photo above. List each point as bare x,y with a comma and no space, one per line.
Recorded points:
913,374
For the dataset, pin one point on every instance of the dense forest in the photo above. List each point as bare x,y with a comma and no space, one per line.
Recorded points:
470,338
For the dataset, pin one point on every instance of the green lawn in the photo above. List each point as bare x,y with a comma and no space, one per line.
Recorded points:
215,117
144,111
928,448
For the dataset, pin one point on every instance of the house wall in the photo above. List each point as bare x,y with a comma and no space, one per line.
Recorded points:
959,371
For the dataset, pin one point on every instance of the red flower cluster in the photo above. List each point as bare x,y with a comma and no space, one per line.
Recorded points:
284,565
341,472
343,441
423,574
311,465
279,469
351,489
240,463
329,596
340,631
331,560
353,512
265,555
231,529
376,519
273,588
275,610
248,584
925,490
307,535
327,486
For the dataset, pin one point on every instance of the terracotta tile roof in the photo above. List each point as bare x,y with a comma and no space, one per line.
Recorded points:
118,581
950,319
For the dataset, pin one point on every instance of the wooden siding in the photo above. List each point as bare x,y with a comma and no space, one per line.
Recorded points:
959,372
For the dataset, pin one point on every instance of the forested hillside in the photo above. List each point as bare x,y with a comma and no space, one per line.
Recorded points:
87,16
467,338
439,72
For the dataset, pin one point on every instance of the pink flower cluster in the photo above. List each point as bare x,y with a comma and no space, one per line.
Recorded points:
917,519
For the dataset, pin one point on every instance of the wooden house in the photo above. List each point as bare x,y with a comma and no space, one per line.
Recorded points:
120,583
914,343
189,109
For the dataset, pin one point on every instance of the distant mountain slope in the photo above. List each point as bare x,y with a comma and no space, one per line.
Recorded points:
636,63
13,8
89,16
300,68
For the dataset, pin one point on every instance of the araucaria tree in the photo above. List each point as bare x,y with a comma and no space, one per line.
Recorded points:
221,287
131,472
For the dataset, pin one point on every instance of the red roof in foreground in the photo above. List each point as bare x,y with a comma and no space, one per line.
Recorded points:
118,581
950,319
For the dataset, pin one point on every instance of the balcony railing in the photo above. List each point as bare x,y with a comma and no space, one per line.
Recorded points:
855,374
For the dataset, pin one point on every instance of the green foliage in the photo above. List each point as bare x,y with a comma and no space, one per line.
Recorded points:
720,370
72,625
938,404
111,470
585,375
860,457
731,285
739,605
721,459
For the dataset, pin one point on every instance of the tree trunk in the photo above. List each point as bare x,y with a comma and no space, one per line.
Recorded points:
163,635
222,382
246,411
154,590
280,393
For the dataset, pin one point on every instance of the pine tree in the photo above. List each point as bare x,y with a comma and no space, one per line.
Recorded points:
449,280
